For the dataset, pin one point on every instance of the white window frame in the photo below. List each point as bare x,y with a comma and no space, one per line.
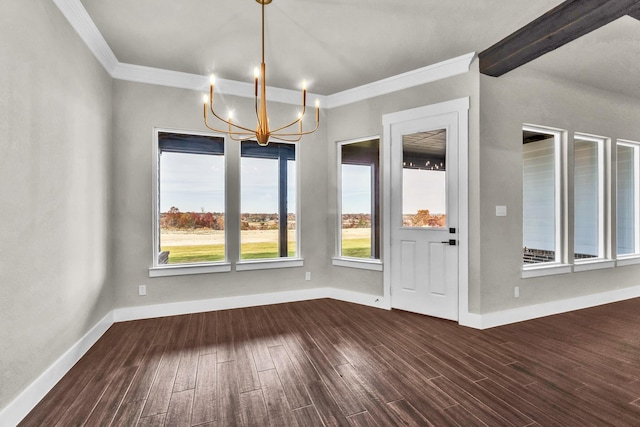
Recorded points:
559,265
158,270
339,260
279,262
601,260
633,258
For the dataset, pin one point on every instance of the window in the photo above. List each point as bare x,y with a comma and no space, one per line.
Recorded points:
268,201
628,198
541,203
190,199
589,203
424,179
359,199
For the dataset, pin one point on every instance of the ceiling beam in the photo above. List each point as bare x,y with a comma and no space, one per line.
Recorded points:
635,14
562,24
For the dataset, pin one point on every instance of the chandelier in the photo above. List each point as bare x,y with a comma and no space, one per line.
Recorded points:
262,133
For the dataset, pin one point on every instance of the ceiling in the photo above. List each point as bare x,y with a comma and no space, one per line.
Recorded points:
341,44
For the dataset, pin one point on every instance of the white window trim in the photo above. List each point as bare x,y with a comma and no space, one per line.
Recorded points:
626,259
603,205
158,270
340,260
547,269
593,264
188,269
361,263
269,263
557,267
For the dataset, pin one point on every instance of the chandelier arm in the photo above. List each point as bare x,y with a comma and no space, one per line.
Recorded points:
298,133
206,123
286,139
246,134
238,139
298,120
228,123
301,132
214,129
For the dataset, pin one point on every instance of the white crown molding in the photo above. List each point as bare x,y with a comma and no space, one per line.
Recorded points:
197,82
80,20
428,74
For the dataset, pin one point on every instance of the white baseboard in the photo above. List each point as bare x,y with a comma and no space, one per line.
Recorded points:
214,304
520,314
28,399
13,413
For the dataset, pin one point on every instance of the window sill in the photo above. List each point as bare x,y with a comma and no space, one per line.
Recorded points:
593,265
361,263
545,270
265,264
628,260
186,269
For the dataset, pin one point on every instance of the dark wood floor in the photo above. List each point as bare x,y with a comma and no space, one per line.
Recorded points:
332,363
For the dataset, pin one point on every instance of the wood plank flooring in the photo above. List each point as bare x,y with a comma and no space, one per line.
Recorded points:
331,363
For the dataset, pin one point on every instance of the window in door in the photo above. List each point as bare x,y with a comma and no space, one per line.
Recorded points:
424,179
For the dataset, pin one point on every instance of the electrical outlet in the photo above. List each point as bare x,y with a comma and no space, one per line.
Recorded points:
516,291
307,275
142,290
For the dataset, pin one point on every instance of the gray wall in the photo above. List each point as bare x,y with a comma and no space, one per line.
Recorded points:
364,119
527,96
138,108
55,132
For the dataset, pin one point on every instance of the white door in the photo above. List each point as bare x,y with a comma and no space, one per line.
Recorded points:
424,215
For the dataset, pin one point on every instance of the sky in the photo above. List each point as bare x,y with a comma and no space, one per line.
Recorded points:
195,183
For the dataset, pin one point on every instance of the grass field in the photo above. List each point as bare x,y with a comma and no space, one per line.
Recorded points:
357,248
187,248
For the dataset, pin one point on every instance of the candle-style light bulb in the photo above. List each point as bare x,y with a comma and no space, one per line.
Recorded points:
205,99
304,93
212,80
256,75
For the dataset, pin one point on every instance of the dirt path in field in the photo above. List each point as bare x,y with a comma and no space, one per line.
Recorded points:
212,237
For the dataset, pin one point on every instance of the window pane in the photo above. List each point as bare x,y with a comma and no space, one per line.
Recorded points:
359,217
291,207
626,202
424,179
586,199
191,203
539,198
267,201
356,211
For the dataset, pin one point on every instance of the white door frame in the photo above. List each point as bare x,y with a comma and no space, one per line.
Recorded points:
461,107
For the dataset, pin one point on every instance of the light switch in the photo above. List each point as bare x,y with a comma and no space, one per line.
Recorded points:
501,210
